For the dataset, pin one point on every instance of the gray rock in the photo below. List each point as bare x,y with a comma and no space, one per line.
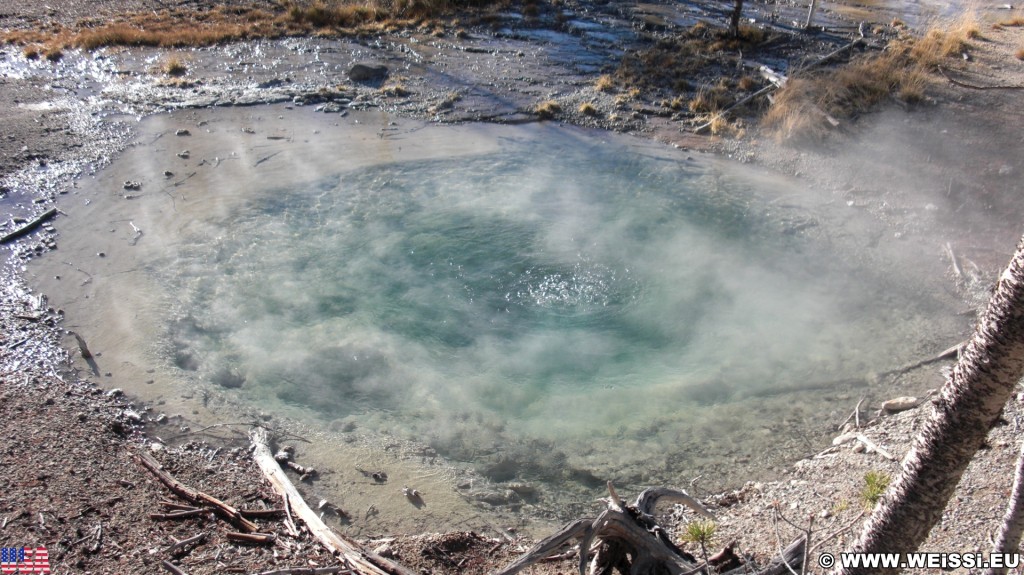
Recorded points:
367,72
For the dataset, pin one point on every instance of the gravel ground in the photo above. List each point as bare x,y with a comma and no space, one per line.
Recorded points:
72,482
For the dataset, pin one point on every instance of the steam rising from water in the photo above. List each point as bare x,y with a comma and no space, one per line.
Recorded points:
543,293
551,305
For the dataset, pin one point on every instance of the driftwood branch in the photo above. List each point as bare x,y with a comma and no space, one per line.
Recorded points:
194,497
179,546
362,559
646,501
628,539
178,514
548,545
308,571
30,226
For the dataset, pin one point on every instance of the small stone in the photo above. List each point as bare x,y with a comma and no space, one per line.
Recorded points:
859,448
182,132
184,154
898,404
101,254
384,550
844,438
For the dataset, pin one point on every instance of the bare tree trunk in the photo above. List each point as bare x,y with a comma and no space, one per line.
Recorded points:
734,18
971,401
1013,522
810,14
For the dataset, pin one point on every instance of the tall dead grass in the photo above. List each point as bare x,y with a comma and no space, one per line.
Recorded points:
185,28
902,72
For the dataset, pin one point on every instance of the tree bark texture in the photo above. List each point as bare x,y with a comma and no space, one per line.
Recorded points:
734,18
971,401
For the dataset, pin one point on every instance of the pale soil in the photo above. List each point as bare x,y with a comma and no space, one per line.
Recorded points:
70,483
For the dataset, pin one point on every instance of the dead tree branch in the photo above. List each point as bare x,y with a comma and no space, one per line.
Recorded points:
362,559
30,226
194,497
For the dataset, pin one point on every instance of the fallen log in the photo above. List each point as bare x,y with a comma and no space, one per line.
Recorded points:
30,226
194,497
361,559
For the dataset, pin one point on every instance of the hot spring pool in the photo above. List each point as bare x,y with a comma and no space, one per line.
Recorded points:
538,304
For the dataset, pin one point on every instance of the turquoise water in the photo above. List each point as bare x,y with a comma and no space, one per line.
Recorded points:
513,307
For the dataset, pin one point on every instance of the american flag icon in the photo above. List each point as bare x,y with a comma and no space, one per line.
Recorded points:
24,560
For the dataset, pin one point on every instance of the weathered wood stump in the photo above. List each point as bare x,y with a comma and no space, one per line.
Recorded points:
627,539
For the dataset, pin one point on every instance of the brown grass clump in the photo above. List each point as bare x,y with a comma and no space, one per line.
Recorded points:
795,114
902,71
174,66
604,83
944,41
587,109
182,28
547,109
53,53
708,100
1014,21
31,52
395,91
1019,54
804,108
747,83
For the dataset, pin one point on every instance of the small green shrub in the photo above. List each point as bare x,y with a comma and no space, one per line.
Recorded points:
875,484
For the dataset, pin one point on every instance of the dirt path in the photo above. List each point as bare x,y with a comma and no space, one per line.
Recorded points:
72,485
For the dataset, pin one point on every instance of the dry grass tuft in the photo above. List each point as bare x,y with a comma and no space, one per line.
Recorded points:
395,91
31,52
942,41
902,71
708,100
1019,54
53,53
174,66
587,109
605,83
547,109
